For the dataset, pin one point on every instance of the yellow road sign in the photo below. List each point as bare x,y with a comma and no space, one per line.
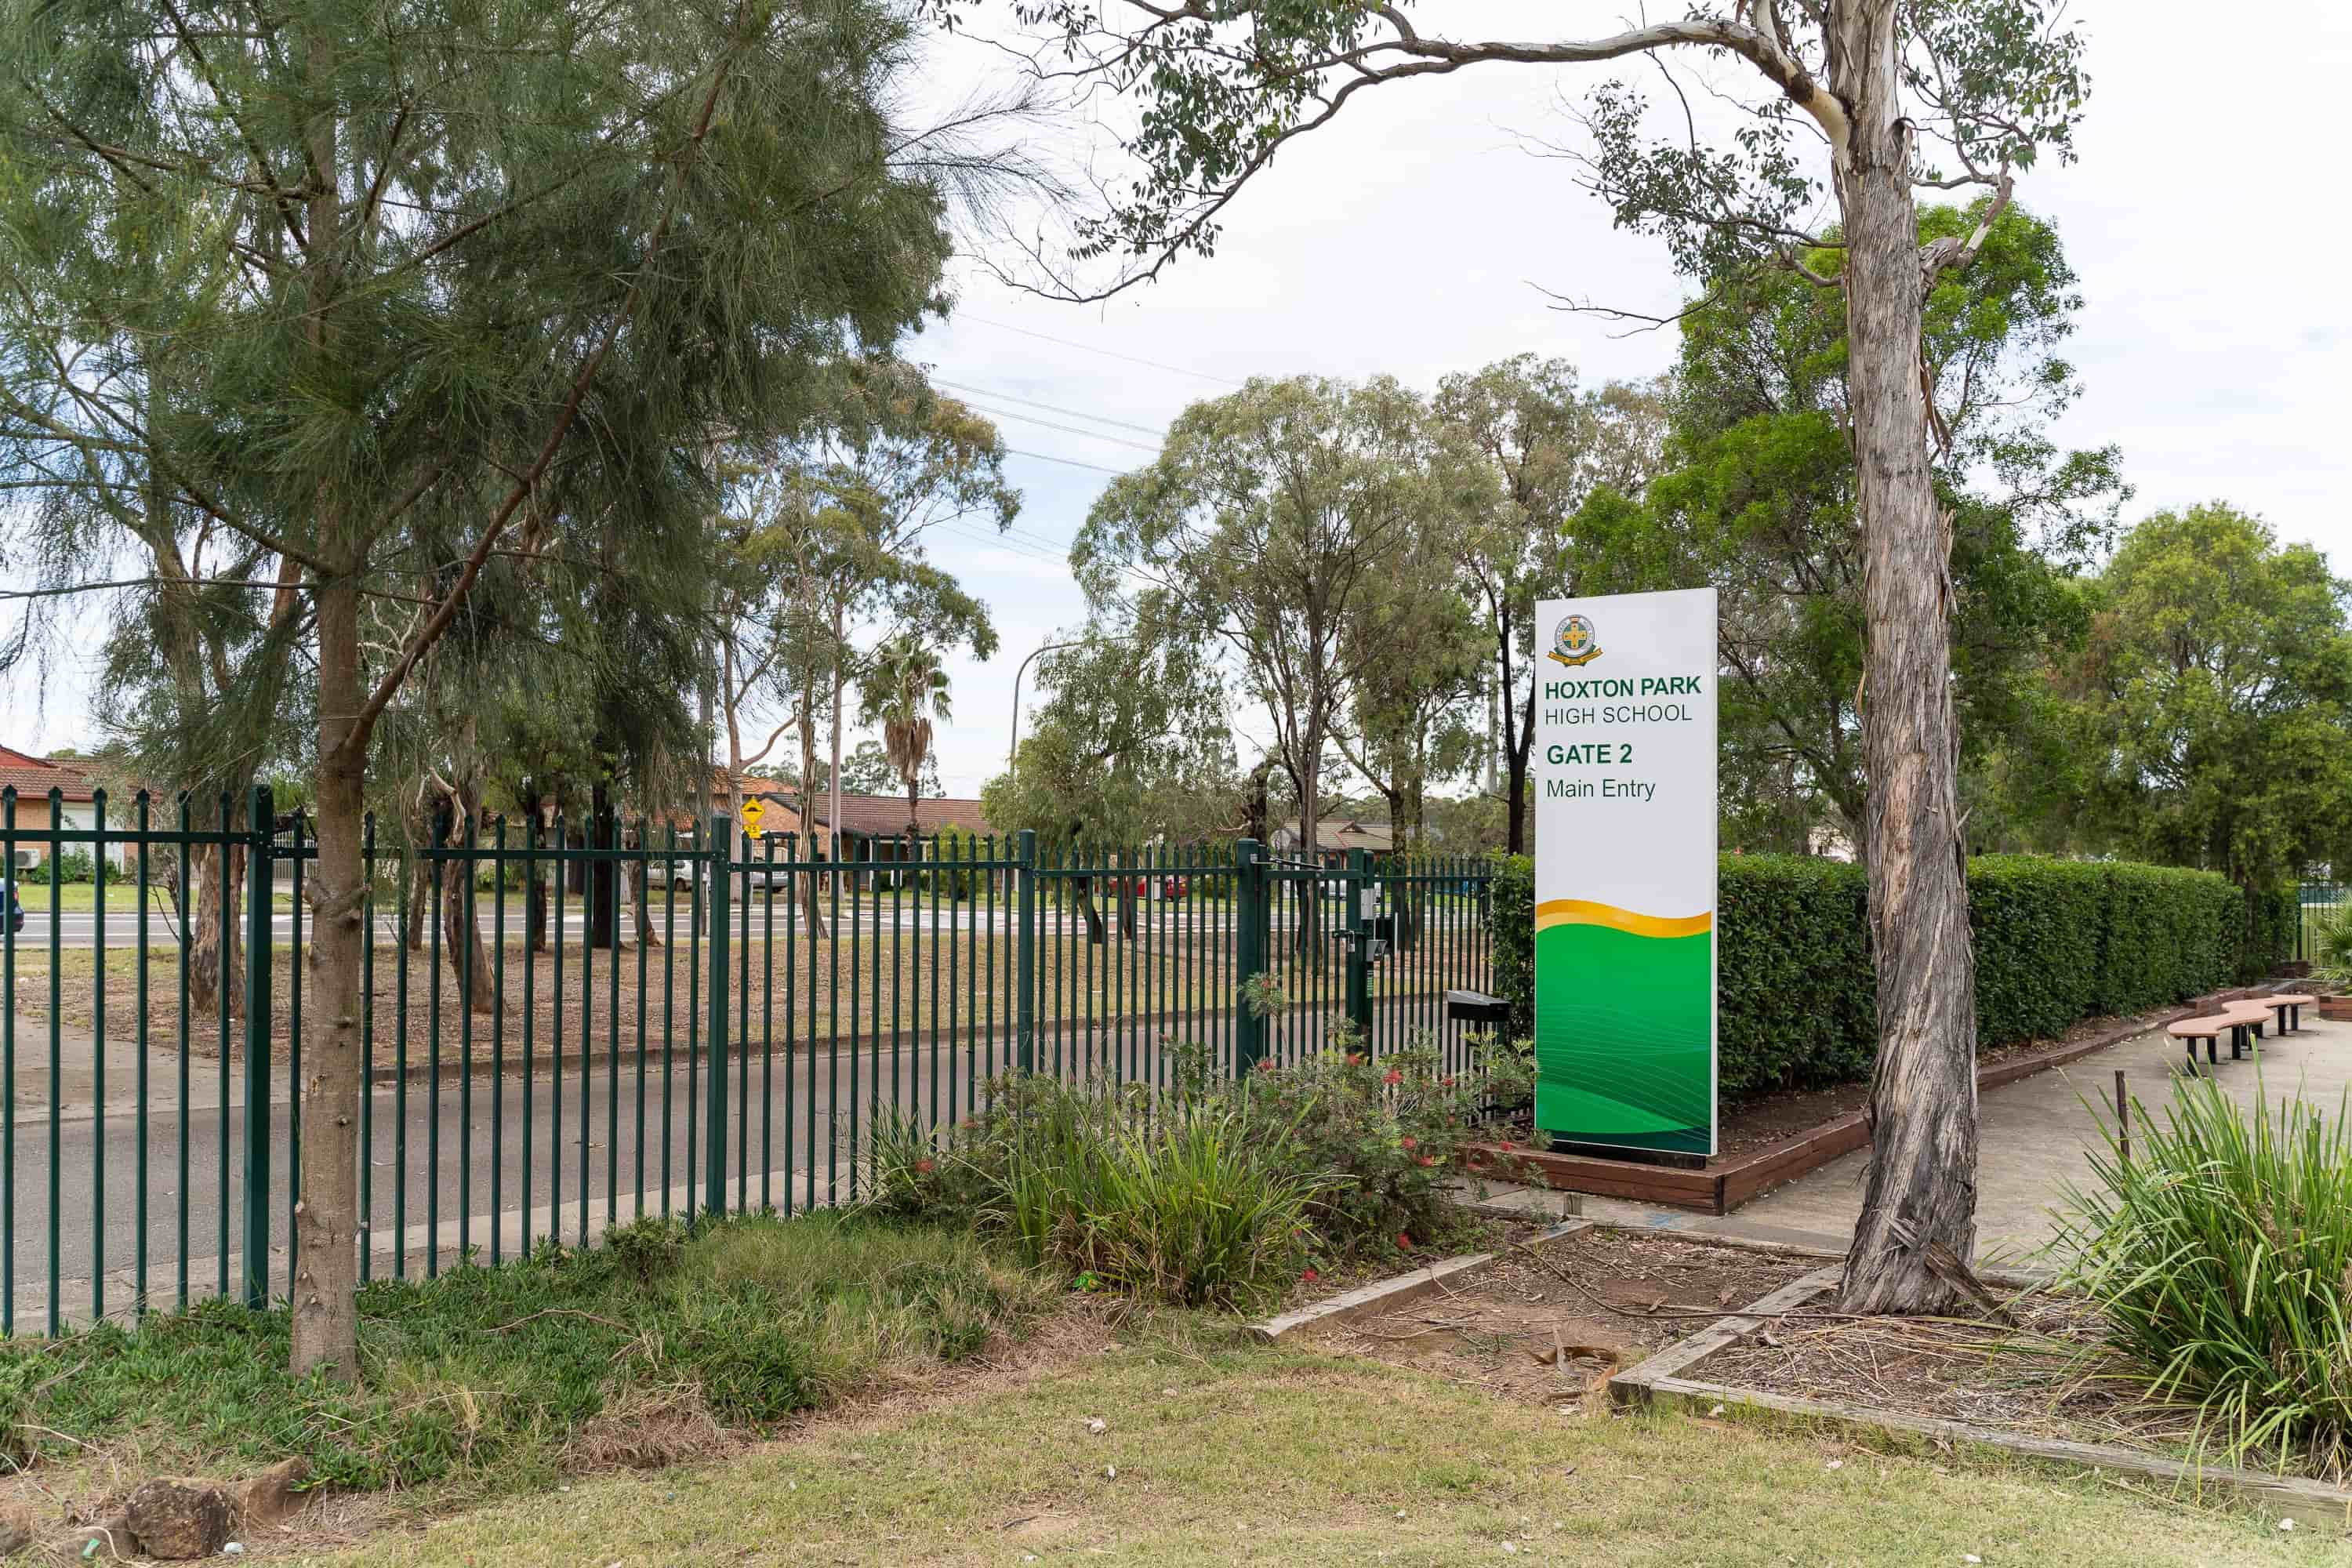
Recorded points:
753,810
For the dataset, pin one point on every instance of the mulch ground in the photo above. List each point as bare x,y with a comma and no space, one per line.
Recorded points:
2048,1373
1550,1322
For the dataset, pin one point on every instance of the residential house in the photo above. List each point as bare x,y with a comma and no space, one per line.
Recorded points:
1334,837
873,826
33,779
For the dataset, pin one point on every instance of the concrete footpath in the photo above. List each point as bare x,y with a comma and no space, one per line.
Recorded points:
2036,1137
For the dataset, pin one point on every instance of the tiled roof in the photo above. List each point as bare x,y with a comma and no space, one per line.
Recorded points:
884,815
38,775
766,789
1345,833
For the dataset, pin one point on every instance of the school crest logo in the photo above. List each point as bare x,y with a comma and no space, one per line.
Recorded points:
1574,642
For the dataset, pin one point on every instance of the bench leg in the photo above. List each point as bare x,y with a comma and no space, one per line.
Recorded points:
2189,1044
2295,1013
2213,1048
2238,1041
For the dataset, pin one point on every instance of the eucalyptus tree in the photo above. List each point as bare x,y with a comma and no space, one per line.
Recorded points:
422,283
1269,519
1130,745
1517,450
827,543
1854,105
1762,501
1417,654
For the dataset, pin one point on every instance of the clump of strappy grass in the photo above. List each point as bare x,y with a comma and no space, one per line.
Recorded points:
2220,1253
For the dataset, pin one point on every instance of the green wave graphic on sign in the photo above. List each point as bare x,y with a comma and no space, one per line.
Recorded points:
1623,1052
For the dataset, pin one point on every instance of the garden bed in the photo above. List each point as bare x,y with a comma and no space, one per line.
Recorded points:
1605,1296
2048,1376
2042,1387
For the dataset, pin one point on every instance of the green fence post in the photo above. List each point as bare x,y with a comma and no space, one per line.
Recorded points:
1249,951
714,1110
1025,945
261,817
1360,945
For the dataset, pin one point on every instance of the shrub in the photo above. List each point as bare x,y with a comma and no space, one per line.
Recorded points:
2056,941
1378,1135
1181,1200
71,866
1207,1194
2221,1254
2331,955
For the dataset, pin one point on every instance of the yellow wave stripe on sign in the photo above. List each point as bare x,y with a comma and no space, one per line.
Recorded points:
1585,912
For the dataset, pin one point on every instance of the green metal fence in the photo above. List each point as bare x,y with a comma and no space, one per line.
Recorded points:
587,1021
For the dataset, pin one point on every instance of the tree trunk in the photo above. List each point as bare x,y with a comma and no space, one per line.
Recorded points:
603,873
1518,746
417,827
326,1220
639,905
461,916
534,910
816,909
832,778
325,1298
215,955
1922,1185
1087,908
1307,779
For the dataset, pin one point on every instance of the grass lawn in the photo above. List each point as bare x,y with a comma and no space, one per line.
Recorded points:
490,1381
121,899
1228,1455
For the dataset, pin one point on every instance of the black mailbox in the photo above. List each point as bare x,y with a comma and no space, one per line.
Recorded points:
1475,1007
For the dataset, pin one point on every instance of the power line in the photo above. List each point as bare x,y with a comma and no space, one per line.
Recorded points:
1089,348
1051,408
1067,462
1066,430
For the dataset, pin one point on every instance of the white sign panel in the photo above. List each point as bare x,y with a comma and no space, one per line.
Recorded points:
1624,782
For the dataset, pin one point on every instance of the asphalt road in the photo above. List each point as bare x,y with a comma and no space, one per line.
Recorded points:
122,924
805,1113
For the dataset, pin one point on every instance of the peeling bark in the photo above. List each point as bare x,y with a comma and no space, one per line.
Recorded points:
1922,1186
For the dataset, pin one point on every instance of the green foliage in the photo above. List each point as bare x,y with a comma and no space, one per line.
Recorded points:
2056,941
478,1380
1378,1136
2212,702
1190,1205
1760,499
1129,743
71,866
1511,917
2331,956
1215,1191
2220,1253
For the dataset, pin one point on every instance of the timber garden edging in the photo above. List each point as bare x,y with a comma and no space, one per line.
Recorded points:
1657,1381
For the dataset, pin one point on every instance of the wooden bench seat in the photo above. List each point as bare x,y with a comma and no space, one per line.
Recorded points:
2288,1007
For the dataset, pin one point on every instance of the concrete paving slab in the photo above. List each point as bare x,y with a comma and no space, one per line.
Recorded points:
2038,1133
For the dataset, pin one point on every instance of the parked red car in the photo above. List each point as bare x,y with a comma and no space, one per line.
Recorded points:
1171,886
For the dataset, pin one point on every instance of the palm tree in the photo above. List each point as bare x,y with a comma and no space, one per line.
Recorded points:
905,689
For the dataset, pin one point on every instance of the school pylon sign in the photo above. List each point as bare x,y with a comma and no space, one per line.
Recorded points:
1625,870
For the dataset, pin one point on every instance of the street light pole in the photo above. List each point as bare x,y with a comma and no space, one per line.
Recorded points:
1012,754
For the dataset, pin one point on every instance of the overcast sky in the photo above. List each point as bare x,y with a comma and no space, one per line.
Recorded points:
1409,236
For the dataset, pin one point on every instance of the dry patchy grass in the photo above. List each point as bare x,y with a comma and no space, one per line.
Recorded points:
1215,1455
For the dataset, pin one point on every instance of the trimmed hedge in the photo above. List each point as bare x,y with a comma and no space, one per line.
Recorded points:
2056,941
